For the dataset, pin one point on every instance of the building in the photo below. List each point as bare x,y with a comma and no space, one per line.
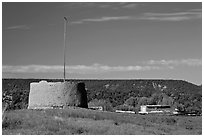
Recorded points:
155,109
122,111
96,108
47,95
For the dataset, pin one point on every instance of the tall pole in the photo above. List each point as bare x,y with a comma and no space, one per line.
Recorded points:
65,31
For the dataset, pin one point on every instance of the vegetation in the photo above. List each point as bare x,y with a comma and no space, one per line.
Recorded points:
185,96
111,94
107,106
84,121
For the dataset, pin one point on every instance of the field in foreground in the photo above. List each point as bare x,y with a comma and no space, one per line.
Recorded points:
84,121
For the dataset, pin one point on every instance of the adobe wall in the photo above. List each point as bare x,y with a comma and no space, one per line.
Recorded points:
48,94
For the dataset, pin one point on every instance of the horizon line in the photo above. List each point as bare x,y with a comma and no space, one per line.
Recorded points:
166,79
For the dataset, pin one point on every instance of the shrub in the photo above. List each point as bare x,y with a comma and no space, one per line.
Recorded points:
107,106
143,101
11,123
125,107
132,101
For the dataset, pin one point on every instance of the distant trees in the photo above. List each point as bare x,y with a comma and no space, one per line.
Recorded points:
177,93
155,99
160,99
143,101
132,101
16,99
166,100
20,99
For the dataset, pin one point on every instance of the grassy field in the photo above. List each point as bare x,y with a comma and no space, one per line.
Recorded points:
84,121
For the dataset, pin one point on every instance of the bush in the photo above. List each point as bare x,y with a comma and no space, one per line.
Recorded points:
143,101
132,101
11,123
125,107
17,99
107,106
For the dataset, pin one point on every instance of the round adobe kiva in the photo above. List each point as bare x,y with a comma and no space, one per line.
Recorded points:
57,94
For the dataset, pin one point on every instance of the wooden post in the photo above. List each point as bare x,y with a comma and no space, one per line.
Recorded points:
65,30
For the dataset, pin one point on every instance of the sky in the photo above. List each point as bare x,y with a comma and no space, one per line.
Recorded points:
104,40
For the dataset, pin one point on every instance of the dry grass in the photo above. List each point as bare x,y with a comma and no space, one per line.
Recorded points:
83,121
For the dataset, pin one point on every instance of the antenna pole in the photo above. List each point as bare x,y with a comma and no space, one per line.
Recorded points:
65,31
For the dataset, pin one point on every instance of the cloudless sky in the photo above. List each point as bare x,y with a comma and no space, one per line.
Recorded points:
104,40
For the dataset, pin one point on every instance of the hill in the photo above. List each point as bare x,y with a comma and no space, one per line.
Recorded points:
181,94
